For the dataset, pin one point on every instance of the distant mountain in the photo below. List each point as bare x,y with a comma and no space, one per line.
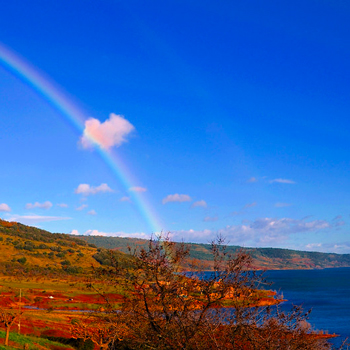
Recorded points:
29,250
264,258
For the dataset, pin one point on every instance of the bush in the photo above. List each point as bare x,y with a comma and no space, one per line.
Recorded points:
22,260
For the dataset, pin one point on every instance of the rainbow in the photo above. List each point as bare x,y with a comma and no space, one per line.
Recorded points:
76,117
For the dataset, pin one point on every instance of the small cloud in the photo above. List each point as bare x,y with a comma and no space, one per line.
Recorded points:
338,217
83,206
111,234
125,199
92,212
4,207
250,205
312,246
110,133
33,219
209,219
45,205
201,203
339,248
86,189
176,198
282,205
282,181
252,179
62,205
339,223
95,233
138,189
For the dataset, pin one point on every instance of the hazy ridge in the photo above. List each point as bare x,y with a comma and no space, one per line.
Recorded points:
269,258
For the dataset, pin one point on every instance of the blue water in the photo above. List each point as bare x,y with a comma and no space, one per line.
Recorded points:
326,292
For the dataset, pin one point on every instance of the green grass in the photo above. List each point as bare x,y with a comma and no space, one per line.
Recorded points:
21,340
3,347
48,285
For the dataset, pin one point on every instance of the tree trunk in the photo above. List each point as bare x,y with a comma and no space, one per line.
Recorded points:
7,335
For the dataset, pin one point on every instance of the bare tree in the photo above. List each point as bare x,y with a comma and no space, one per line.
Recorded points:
7,319
99,332
165,308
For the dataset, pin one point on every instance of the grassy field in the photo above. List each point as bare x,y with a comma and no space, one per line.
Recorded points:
18,341
53,304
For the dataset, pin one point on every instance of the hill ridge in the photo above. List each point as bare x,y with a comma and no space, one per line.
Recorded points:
269,258
26,248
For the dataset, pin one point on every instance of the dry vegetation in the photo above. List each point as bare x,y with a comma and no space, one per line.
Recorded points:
164,308
142,300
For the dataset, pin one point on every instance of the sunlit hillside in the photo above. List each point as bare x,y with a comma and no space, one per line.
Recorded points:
28,249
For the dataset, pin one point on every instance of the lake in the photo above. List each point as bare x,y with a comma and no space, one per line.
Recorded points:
326,292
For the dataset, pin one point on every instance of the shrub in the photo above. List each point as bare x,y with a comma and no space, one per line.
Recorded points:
22,260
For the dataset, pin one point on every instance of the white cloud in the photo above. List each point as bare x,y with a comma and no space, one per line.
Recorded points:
287,225
282,205
312,246
201,203
282,181
33,219
339,248
132,235
4,207
193,235
261,232
112,234
45,205
252,179
83,206
176,198
209,218
125,199
92,212
95,233
112,132
138,189
62,205
86,189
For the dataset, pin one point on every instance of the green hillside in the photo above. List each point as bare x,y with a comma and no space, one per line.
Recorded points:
29,250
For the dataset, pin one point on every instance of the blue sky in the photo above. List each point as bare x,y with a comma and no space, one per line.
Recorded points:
230,117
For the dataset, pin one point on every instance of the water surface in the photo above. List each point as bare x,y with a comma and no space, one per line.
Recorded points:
326,292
